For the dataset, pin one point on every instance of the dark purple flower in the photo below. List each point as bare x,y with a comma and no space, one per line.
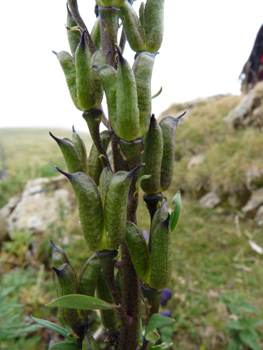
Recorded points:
145,235
165,296
166,313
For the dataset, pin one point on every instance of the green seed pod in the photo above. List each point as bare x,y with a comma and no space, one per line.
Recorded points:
105,179
99,58
67,284
110,3
168,125
132,27
74,36
109,318
116,207
161,248
152,157
109,82
143,67
81,148
59,257
142,20
139,252
88,280
70,154
90,208
128,126
154,11
95,166
89,89
68,66
95,34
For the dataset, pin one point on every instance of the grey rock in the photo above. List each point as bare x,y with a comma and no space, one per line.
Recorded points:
249,112
210,200
36,208
259,216
195,161
254,202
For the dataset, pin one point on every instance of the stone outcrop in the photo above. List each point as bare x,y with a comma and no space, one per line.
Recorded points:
36,208
249,112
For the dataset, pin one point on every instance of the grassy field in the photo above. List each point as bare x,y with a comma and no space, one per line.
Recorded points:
215,268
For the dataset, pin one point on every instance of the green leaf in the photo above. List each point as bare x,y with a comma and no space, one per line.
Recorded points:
69,345
156,321
140,334
254,322
175,214
235,324
162,346
249,337
158,93
248,307
84,302
232,346
54,327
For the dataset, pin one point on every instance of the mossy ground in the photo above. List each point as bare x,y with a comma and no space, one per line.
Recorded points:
212,256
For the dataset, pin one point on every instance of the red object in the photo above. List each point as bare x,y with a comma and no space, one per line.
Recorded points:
261,59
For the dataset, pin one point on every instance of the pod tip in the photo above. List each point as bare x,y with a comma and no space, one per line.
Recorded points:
133,171
180,116
69,176
69,12
82,40
55,53
53,244
57,271
166,222
121,58
73,129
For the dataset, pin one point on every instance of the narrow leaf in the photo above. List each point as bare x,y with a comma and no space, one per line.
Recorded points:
162,346
84,302
140,334
65,345
158,93
54,327
156,321
175,214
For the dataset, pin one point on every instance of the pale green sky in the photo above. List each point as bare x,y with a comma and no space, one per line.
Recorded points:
205,46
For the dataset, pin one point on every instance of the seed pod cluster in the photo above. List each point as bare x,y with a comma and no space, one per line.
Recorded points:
74,152
83,81
158,155
144,33
102,218
128,93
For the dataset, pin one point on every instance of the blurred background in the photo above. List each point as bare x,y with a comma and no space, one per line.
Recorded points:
217,275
